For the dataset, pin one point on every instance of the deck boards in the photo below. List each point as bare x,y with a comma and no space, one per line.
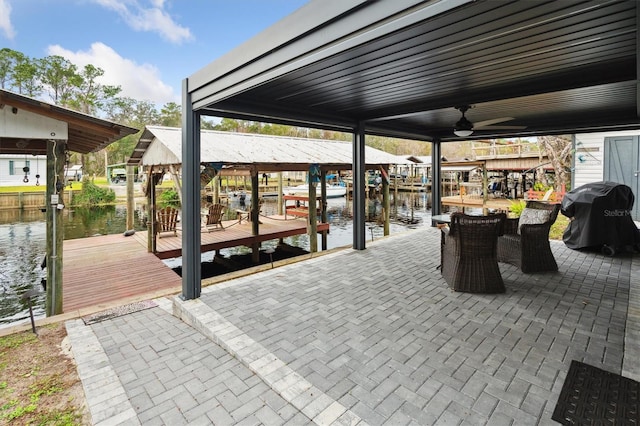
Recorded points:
104,269
473,201
234,234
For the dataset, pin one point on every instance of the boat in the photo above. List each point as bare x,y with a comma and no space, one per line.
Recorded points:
333,191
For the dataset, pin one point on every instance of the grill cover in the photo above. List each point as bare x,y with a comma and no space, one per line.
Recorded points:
601,216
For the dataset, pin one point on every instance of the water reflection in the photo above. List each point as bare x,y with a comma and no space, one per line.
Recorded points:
23,249
23,240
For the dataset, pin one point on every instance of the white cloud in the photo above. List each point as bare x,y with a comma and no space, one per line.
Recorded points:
5,20
150,17
138,81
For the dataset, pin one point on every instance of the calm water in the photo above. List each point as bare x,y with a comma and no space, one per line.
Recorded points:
23,240
23,244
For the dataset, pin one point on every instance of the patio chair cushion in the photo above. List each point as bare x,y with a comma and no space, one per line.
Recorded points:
533,217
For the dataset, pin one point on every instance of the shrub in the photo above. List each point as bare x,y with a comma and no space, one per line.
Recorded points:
93,195
516,208
168,197
539,186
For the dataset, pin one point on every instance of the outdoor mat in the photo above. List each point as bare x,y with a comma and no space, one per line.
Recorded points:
118,311
592,396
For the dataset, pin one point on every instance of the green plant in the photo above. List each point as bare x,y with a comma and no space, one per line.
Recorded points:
60,418
15,340
20,411
558,227
46,386
516,207
539,186
93,195
169,197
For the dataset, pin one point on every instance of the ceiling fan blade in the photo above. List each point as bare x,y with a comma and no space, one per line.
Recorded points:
501,128
492,121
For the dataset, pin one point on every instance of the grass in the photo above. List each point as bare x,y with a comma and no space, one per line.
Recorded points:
40,384
557,229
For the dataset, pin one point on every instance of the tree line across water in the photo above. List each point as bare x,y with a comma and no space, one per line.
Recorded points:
79,88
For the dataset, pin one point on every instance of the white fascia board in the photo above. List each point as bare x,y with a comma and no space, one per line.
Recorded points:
20,124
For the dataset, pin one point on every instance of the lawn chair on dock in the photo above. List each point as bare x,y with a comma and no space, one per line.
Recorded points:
167,221
213,219
246,214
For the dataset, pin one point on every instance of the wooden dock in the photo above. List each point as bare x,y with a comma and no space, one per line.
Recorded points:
234,234
474,201
98,271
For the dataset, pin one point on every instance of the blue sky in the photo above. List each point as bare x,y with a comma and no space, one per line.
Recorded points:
145,46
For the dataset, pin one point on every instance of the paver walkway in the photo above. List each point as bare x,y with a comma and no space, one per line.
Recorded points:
371,337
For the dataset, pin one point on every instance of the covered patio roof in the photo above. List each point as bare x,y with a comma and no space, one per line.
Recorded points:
408,68
401,68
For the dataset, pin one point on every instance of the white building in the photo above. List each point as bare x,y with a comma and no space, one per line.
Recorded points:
16,170
609,156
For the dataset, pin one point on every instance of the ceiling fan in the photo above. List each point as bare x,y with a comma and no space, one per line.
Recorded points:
464,127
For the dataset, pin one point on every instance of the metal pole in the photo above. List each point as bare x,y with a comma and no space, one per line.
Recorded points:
191,273
436,181
359,182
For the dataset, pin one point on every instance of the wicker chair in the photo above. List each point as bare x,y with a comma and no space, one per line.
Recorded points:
469,261
526,245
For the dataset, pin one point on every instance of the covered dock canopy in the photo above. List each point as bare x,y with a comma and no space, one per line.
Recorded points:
32,127
409,68
27,124
162,146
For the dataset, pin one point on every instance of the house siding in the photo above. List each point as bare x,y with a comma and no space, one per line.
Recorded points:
589,156
11,173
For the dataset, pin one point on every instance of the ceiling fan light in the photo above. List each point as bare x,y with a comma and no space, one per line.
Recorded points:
463,127
463,133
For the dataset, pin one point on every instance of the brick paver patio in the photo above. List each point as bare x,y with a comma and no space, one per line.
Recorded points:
371,337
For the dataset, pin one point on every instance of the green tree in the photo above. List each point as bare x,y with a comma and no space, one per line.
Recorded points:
6,66
171,115
61,78
89,95
558,150
26,77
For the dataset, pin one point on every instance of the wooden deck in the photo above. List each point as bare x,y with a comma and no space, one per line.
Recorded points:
100,271
234,234
474,201
104,269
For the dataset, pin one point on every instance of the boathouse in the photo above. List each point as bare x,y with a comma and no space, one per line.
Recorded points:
159,152
31,127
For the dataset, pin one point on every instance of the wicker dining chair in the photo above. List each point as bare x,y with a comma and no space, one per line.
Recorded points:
525,242
469,253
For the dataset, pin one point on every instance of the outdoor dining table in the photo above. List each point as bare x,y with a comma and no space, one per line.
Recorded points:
440,219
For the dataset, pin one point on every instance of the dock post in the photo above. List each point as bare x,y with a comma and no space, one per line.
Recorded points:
313,215
255,211
386,203
55,228
130,206
280,206
323,207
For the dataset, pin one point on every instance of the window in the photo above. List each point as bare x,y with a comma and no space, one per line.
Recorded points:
27,163
12,170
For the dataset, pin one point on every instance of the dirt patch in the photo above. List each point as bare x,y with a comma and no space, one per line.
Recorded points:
39,383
